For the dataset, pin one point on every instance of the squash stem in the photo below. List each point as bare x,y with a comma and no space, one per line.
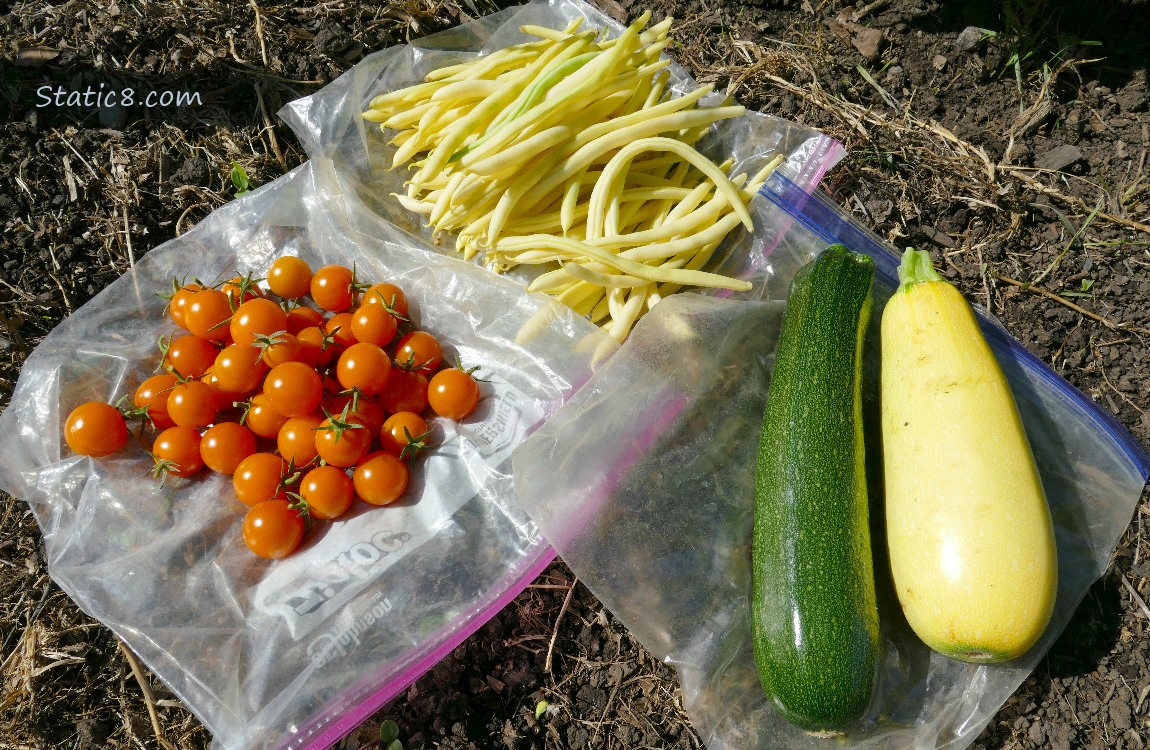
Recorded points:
915,268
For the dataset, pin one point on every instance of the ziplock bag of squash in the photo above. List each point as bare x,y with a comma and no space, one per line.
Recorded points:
664,535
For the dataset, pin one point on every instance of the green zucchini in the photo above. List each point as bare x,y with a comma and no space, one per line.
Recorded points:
814,616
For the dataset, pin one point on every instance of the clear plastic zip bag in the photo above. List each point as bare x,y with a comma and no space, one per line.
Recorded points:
277,653
294,654
644,483
330,127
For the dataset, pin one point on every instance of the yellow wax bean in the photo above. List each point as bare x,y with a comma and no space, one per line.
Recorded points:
406,95
691,243
405,118
488,66
416,207
483,112
552,34
620,161
623,264
522,151
463,91
552,281
622,321
600,311
599,278
444,199
545,113
536,183
705,215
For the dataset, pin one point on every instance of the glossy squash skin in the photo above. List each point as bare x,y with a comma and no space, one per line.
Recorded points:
969,532
814,614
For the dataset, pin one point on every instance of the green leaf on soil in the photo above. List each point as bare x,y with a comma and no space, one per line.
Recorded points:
240,179
388,734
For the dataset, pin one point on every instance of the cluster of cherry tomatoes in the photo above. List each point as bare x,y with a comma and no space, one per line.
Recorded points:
306,406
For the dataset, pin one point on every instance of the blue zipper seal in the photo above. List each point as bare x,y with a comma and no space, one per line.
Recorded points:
827,221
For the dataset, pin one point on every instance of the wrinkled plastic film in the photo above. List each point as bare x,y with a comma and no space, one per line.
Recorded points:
258,650
665,543
295,654
330,126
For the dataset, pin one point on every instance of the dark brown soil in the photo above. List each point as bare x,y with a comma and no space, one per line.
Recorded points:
1028,183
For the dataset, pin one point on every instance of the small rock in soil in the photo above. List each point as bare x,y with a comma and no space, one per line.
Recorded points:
1120,714
1134,96
332,39
193,171
1059,158
868,41
937,237
1059,736
970,38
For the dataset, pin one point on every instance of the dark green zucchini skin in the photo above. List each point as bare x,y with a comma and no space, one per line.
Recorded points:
815,620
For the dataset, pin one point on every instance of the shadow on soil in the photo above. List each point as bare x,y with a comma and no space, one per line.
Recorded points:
1092,632
1046,32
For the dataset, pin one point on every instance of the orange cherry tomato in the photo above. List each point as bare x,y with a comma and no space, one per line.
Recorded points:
273,529
279,348
338,327
259,477
192,404
406,390
178,303
404,433
289,277
95,429
190,356
224,445
262,418
331,288
419,350
207,314
294,389
365,367
152,395
380,479
300,318
453,393
296,440
342,441
241,289
315,347
328,492
369,410
177,452
239,369
224,397
389,295
256,317
373,324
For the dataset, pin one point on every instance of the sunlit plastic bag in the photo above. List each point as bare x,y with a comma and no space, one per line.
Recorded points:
296,653
644,483
258,648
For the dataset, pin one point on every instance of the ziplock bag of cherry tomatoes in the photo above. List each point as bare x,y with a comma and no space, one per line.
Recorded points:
649,498
287,653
